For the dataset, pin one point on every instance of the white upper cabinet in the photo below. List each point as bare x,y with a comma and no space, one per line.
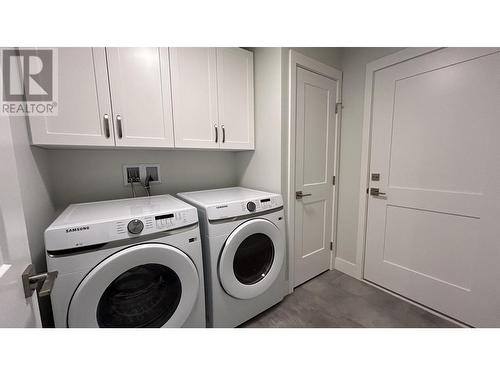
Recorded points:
235,98
140,92
194,97
84,108
212,98
151,97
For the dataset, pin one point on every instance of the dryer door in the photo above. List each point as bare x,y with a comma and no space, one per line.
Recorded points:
251,259
146,285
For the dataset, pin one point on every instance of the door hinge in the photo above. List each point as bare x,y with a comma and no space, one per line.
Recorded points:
331,246
333,180
338,107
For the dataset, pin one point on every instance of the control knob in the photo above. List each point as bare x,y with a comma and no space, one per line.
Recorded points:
135,226
251,206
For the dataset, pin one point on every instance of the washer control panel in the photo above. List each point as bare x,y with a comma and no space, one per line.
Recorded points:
157,223
171,220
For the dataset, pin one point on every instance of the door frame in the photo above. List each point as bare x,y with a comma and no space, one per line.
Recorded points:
371,68
297,60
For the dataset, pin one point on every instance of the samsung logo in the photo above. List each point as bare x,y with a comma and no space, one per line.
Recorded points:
225,206
77,229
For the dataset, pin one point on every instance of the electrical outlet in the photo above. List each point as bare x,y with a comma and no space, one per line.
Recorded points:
153,173
139,172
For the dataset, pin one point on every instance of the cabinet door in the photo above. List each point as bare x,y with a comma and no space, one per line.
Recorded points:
140,92
83,102
194,97
235,98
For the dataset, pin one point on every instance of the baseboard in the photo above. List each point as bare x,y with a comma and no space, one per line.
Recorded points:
346,267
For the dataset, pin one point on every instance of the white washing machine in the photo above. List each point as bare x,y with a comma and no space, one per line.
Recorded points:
244,250
127,263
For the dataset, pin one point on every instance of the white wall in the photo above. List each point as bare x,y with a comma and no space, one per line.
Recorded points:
33,171
93,175
330,56
261,169
353,65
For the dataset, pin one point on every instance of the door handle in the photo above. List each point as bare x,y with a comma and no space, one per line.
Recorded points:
119,126
299,195
106,126
216,134
223,134
42,282
376,192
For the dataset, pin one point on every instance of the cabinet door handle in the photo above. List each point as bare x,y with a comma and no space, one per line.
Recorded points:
223,134
106,126
119,126
216,134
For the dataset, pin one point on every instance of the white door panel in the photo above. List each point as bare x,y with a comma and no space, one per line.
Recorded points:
83,102
194,97
434,126
235,97
15,310
314,171
140,92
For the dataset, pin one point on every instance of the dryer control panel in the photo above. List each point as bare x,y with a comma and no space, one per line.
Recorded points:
247,207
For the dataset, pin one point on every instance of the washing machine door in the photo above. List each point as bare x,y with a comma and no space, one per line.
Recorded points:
251,259
145,285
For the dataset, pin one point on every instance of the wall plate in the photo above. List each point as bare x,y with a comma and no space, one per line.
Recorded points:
143,171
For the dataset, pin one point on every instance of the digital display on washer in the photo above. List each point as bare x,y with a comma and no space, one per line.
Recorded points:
161,217
265,200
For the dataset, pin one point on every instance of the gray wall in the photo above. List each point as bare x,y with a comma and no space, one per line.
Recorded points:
354,62
93,175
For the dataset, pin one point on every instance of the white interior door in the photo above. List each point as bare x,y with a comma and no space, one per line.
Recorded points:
316,124
235,98
194,97
15,309
435,143
140,91
84,107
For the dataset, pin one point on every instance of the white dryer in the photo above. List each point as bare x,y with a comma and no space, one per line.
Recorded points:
127,263
244,250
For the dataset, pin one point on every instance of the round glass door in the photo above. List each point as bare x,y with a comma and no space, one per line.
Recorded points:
144,296
251,259
145,285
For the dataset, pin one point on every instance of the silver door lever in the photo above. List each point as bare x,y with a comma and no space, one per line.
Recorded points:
299,195
376,192
41,282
